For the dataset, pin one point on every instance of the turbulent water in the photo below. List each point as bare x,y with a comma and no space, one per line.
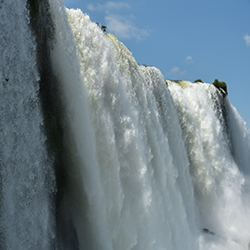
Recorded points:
139,163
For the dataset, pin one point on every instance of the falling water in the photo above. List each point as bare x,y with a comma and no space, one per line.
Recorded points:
219,183
27,177
146,164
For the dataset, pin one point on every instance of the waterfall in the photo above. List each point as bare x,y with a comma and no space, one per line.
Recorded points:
220,186
98,152
27,174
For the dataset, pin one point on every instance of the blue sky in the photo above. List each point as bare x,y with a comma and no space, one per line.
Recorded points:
185,39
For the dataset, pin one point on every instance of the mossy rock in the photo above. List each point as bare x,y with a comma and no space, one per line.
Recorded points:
198,80
182,84
222,86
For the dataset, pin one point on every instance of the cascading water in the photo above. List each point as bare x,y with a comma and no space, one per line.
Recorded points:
145,165
27,176
219,184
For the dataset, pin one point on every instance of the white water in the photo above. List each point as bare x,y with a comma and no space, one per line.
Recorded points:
26,175
148,166
157,183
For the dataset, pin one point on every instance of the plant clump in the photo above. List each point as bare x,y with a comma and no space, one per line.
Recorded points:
103,27
222,86
198,80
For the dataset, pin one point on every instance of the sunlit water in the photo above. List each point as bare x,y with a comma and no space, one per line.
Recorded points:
150,165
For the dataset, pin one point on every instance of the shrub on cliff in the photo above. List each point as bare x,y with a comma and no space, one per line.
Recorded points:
198,80
222,86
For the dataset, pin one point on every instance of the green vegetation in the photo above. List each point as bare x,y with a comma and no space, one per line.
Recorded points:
198,80
222,86
182,84
103,27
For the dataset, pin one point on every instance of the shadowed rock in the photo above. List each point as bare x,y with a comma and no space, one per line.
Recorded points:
207,231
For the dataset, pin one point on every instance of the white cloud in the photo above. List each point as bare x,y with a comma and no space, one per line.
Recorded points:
189,59
91,7
116,6
247,39
108,6
120,25
176,71
123,27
